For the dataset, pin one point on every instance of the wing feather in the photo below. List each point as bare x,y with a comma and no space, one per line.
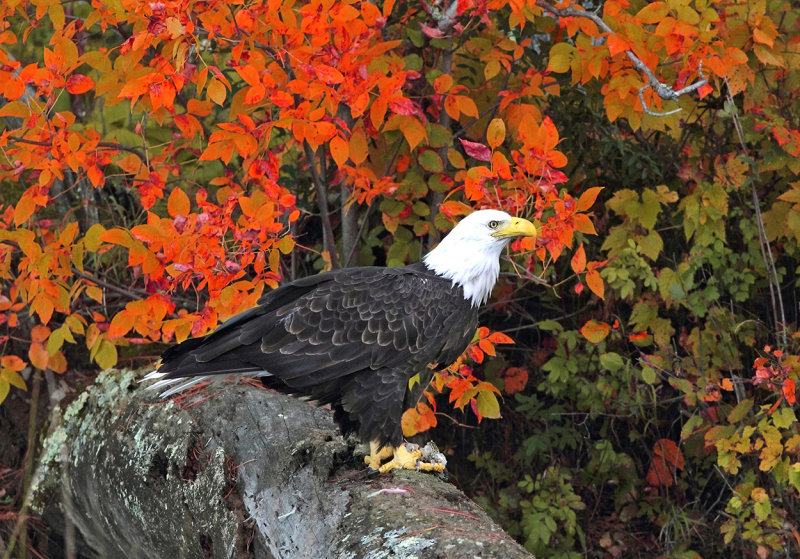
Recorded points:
315,330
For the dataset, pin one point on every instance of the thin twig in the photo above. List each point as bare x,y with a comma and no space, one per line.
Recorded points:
763,240
134,295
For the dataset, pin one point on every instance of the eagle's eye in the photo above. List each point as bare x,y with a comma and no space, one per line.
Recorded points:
494,224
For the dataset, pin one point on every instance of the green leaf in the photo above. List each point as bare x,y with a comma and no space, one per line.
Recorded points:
649,375
741,409
784,418
611,361
689,427
430,161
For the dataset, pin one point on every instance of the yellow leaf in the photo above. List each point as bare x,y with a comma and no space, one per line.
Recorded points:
456,159
17,109
560,57
487,404
13,378
106,356
357,148
216,91
496,133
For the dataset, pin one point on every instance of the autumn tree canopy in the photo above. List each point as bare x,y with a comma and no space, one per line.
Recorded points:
163,163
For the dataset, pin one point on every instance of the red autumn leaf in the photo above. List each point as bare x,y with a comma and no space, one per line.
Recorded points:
659,474
403,106
670,451
78,83
475,354
476,150
788,391
638,336
515,379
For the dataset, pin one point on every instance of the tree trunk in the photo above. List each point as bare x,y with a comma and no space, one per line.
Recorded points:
238,471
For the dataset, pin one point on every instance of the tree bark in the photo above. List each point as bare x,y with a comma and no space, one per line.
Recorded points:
238,471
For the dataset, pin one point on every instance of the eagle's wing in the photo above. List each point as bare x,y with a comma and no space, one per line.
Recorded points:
321,328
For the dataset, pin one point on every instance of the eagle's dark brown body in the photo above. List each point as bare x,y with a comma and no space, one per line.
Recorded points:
352,338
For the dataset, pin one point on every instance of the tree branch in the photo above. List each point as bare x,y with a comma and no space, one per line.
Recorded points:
661,89
320,186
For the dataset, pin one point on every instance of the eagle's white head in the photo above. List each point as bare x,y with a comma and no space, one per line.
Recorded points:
470,254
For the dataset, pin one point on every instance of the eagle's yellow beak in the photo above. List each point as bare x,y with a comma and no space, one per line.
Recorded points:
516,227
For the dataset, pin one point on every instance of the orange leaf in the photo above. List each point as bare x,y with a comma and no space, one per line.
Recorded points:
358,149
584,224
578,261
500,338
487,347
37,355
595,331
340,150
328,74
788,391
442,84
595,283
178,203
616,44
23,210
475,354
78,83
467,106
117,237
216,91
121,324
587,198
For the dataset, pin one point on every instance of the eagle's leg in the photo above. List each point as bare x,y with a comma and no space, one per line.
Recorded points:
410,460
377,454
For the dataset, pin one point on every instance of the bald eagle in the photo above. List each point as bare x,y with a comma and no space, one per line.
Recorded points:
353,337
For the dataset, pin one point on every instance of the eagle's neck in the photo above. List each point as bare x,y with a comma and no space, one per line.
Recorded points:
474,266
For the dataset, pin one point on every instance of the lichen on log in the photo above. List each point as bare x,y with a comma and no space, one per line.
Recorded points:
239,471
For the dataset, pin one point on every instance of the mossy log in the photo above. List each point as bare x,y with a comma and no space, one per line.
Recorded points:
239,471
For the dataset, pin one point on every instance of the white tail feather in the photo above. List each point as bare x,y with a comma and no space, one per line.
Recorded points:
175,385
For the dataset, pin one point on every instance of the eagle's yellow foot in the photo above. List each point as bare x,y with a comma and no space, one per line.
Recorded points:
406,459
377,454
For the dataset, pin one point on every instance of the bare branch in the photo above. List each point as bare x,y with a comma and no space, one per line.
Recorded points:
328,240
661,89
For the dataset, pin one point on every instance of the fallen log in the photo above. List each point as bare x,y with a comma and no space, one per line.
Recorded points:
238,471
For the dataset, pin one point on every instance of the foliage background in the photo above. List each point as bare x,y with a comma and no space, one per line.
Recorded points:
165,162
